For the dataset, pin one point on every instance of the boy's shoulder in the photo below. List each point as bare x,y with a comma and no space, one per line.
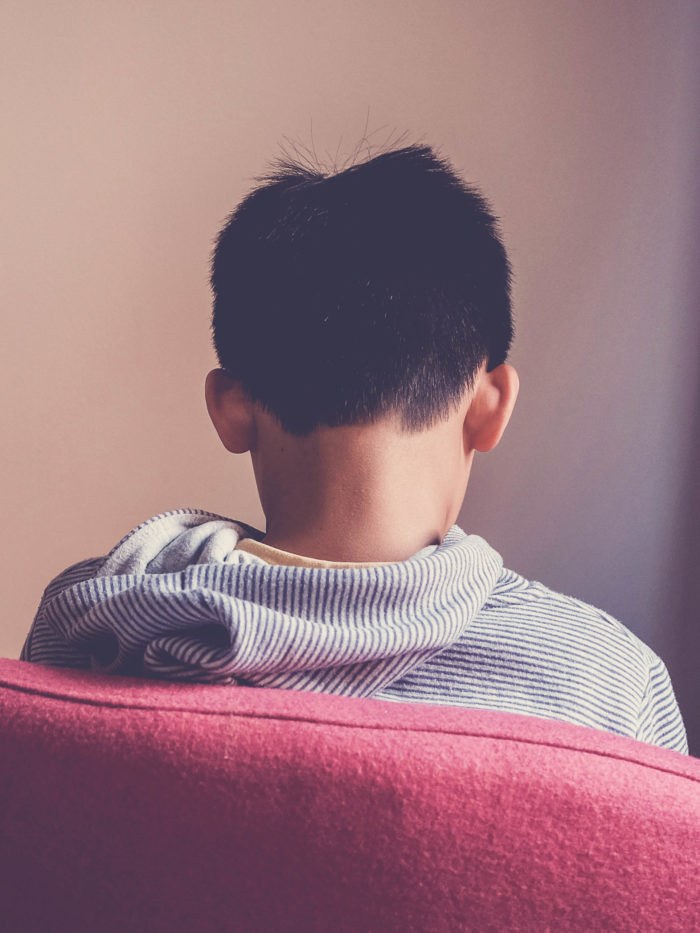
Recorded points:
536,651
76,573
532,604
41,644
589,647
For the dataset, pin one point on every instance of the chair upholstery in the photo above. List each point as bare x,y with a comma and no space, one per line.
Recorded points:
140,805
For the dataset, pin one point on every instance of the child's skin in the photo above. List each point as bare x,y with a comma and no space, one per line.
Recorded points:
369,492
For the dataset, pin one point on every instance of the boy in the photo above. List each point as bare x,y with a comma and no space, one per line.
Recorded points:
362,322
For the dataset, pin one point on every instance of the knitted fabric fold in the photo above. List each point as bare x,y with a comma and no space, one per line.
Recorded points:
176,599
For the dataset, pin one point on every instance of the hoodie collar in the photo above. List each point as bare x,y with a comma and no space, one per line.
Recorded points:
176,598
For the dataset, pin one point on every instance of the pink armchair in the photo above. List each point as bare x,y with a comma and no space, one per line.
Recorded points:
134,805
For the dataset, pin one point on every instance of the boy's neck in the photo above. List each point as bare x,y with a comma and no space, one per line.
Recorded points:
351,540
359,494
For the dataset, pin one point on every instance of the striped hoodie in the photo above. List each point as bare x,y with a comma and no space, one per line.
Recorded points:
181,597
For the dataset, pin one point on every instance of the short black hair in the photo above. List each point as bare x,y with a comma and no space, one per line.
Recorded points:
340,298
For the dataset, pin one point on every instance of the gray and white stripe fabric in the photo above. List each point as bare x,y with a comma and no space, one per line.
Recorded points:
176,599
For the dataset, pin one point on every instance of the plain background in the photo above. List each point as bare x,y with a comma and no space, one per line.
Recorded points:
131,129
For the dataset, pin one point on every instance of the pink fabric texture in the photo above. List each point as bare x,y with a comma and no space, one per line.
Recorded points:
148,806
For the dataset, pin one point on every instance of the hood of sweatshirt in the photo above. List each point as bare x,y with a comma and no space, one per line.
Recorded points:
176,599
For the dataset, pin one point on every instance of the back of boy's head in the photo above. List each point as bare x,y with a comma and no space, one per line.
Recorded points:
378,290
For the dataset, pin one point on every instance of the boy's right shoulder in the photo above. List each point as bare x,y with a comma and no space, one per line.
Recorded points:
571,615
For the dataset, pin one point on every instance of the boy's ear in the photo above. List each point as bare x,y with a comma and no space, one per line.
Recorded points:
491,407
230,410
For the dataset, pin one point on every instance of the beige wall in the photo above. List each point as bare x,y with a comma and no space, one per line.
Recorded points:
131,129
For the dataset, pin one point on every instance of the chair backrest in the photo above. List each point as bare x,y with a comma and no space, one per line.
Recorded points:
134,805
